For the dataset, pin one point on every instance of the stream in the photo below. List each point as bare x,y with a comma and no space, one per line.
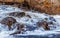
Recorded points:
54,31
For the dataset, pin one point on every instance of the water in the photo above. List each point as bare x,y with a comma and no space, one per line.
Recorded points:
31,30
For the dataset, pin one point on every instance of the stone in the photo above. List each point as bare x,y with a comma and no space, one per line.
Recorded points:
17,14
28,16
19,26
19,29
52,19
44,24
25,5
8,21
39,24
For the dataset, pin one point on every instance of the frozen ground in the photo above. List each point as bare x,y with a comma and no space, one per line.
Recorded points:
37,33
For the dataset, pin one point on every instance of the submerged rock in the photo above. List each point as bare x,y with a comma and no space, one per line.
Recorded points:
17,14
8,21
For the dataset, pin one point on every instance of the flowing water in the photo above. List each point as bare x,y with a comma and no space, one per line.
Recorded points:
35,17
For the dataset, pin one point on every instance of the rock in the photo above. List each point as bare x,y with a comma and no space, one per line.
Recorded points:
17,14
25,5
19,26
28,16
19,29
8,21
44,24
51,23
39,24
52,19
46,6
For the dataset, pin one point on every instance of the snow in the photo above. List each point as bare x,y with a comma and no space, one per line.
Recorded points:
5,33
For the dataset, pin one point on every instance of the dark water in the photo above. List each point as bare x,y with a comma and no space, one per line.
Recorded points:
37,36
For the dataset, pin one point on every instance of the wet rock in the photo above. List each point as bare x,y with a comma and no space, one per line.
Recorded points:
19,29
39,24
8,21
44,24
50,22
17,14
28,16
20,26
46,19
